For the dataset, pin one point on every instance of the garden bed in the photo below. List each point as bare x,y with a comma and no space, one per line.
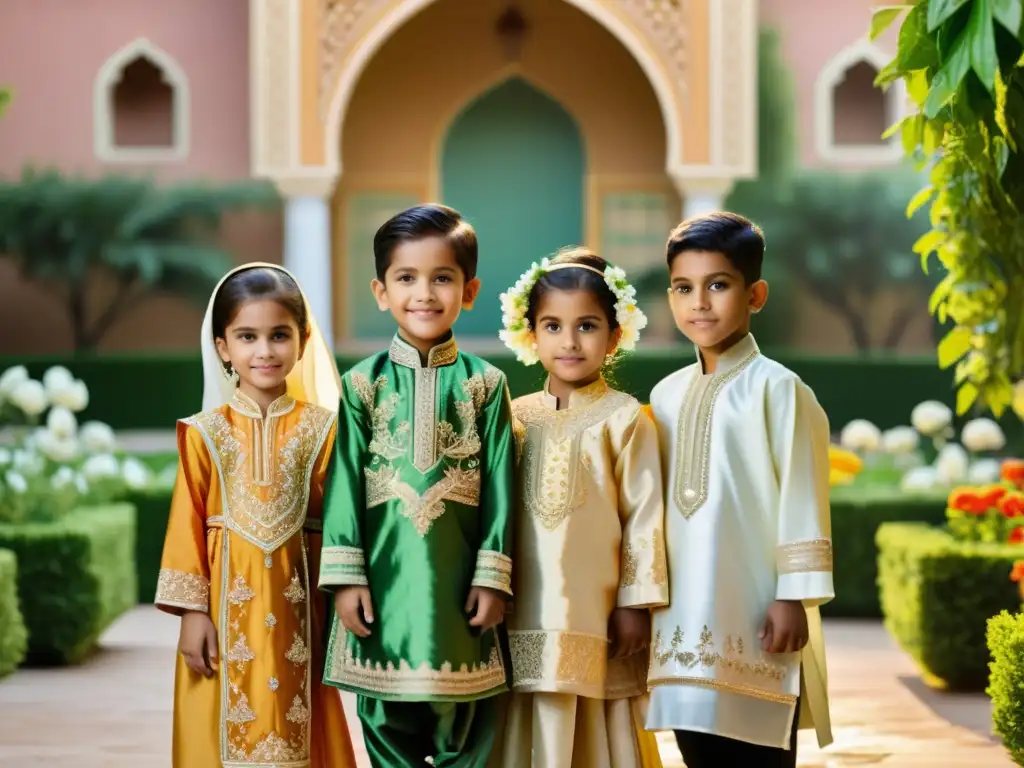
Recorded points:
13,636
75,577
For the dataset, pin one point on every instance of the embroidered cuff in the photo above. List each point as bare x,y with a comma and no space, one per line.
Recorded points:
182,591
493,570
804,557
642,596
342,567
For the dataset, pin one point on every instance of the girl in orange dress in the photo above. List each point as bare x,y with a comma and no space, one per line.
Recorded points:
243,538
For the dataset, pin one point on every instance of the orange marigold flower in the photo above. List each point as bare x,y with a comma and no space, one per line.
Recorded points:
843,461
968,500
1012,504
1012,471
1018,568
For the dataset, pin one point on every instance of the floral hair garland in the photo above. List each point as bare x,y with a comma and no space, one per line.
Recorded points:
517,333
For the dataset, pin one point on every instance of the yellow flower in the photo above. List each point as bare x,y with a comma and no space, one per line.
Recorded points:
844,462
1018,399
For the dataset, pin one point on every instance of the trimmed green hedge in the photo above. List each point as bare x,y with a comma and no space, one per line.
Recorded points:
75,578
173,382
1006,644
13,635
153,509
937,596
857,512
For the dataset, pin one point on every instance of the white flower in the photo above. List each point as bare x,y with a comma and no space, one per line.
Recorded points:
919,479
57,447
29,396
931,417
11,378
982,435
73,395
136,474
16,481
28,462
952,464
63,477
5,457
61,422
860,435
168,476
56,378
81,484
984,471
97,437
900,440
101,465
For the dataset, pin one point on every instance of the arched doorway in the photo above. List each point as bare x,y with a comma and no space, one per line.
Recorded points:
513,164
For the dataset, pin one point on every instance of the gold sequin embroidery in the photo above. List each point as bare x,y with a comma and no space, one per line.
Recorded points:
804,556
179,589
629,566
409,680
705,656
555,658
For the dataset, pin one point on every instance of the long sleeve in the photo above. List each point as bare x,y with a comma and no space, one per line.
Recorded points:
498,457
644,578
799,434
321,470
342,560
184,580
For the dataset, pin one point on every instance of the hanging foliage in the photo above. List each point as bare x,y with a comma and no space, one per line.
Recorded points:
962,62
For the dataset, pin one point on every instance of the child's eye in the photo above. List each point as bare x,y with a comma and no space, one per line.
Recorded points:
718,285
281,335
443,279
248,337
404,278
551,327
682,289
587,327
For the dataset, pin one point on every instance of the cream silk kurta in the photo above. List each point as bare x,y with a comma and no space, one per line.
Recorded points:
589,539
242,540
747,522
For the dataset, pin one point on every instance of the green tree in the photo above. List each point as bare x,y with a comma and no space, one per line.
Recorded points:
63,232
844,238
963,65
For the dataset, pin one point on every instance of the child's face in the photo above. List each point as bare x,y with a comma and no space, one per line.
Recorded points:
424,289
573,336
263,344
709,301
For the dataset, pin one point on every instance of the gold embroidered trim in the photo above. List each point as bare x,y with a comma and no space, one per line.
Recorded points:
804,556
240,591
424,679
493,570
406,355
298,713
745,690
659,563
343,566
551,454
246,406
268,515
179,589
706,657
557,658
294,592
629,566
299,651
458,485
424,422
693,450
240,652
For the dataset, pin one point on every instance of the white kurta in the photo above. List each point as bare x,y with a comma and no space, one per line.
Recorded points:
747,522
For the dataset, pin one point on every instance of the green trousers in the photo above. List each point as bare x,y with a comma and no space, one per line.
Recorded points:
404,734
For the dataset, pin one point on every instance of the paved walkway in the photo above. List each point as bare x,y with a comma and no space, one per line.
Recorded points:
114,710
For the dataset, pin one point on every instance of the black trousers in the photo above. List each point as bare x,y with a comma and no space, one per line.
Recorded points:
706,750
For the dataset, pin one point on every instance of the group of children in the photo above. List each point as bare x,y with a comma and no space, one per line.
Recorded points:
538,583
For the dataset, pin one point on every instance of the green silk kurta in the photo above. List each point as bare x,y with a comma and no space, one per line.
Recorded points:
419,508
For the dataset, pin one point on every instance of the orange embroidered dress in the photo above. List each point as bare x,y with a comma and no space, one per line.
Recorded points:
243,541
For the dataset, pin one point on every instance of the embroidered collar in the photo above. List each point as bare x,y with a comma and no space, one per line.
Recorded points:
738,354
405,354
246,406
579,398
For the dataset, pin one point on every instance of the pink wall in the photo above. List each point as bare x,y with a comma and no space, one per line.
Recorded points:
813,32
52,50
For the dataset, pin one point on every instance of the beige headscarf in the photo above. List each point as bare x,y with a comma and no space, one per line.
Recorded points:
314,379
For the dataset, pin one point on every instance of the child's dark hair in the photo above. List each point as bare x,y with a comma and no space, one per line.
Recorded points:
419,223
737,238
582,279
258,283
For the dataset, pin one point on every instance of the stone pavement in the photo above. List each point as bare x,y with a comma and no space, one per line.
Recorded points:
114,710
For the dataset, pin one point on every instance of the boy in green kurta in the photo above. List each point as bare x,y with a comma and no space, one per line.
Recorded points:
418,511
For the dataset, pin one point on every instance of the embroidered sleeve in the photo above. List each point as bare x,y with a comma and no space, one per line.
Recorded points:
184,580
342,561
643,578
799,435
493,570
343,566
497,460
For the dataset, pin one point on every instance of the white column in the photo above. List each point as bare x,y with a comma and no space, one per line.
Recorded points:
702,196
307,245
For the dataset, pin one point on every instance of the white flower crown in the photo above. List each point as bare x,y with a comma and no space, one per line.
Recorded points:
517,333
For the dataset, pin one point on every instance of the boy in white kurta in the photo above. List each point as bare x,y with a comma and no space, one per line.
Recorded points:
737,660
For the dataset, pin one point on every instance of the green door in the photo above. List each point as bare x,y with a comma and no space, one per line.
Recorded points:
513,166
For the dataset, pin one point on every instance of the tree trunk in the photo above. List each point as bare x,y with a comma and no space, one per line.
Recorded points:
76,311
